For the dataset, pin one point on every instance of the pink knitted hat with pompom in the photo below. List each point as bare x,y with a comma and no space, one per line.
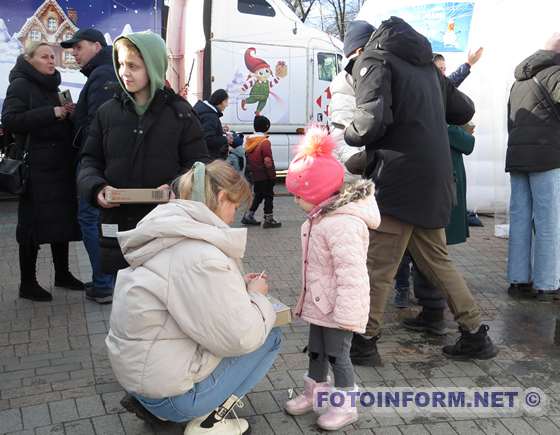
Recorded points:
314,174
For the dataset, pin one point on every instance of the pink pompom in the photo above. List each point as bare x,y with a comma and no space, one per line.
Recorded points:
317,142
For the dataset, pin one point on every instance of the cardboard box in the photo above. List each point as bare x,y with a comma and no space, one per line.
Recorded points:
137,196
283,312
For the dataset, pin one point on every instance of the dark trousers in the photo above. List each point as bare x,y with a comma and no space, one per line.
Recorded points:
263,190
429,297
28,260
402,279
330,346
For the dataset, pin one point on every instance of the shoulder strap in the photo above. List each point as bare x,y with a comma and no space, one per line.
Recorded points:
547,97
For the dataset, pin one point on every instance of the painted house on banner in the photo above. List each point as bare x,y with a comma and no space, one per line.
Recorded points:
51,24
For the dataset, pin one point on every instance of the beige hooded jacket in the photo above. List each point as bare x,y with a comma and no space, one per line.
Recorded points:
182,305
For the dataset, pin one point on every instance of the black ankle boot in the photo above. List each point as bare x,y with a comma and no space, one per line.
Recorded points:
68,281
131,404
472,345
62,276
427,321
34,292
29,287
249,218
364,351
521,291
270,222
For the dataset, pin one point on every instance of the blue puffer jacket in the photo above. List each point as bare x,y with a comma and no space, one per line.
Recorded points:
460,74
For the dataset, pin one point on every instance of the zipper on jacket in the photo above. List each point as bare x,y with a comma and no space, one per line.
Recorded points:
305,254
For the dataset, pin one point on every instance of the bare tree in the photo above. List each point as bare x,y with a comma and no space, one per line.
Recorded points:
336,14
302,8
339,10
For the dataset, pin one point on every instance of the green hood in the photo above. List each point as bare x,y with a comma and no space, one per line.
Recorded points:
154,52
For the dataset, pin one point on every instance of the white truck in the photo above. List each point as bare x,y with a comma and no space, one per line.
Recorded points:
263,55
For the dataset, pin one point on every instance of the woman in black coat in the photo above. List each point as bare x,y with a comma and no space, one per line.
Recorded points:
47,212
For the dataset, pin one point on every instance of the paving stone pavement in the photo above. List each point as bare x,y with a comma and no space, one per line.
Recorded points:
55,377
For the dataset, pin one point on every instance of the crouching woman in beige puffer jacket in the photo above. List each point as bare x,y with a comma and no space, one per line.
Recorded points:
190,335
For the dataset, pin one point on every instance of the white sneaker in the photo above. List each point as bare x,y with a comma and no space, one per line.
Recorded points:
227,426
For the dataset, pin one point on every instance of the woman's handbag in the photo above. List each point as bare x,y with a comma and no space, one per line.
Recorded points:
14,165
14,171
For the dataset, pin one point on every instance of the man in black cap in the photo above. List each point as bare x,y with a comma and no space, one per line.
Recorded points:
95,58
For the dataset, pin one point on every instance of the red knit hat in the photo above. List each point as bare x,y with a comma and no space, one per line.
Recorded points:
314,174
254,63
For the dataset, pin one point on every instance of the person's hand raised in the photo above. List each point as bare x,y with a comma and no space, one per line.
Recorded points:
473,58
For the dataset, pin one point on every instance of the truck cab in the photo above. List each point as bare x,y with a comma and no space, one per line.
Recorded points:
269,62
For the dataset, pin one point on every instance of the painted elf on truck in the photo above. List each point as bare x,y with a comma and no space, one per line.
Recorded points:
260,80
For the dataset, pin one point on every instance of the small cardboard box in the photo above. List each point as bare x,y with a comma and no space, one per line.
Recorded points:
283,312
137,196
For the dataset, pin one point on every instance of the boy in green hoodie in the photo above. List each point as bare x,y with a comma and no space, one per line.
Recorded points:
144,137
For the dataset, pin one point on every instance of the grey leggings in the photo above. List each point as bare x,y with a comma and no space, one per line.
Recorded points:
330,346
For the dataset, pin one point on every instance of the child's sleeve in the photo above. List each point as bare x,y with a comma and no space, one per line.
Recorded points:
349,255
268,160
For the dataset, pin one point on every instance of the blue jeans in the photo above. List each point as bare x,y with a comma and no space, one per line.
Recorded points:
88,217
534,232
236,375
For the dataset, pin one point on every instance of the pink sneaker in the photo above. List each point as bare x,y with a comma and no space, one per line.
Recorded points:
337,417
303,403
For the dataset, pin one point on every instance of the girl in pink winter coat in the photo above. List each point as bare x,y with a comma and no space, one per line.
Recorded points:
335,295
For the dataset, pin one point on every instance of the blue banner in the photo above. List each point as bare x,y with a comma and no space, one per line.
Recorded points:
447,24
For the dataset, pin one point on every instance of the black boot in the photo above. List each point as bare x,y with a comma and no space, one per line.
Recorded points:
270,222
249,218
364,351
62,276
427,320
521,291
472,346
131,404
29,287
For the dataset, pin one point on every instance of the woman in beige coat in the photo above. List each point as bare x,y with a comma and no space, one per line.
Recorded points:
190,335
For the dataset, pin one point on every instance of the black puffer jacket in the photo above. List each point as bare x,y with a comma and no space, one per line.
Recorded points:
97,90
534,129
124,150
213,130
403,107
48,211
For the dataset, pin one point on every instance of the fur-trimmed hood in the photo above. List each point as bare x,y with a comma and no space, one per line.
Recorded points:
356,199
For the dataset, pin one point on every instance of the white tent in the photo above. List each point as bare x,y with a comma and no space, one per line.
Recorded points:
509,31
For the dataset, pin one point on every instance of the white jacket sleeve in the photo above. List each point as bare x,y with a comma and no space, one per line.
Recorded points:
341,113
210,303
